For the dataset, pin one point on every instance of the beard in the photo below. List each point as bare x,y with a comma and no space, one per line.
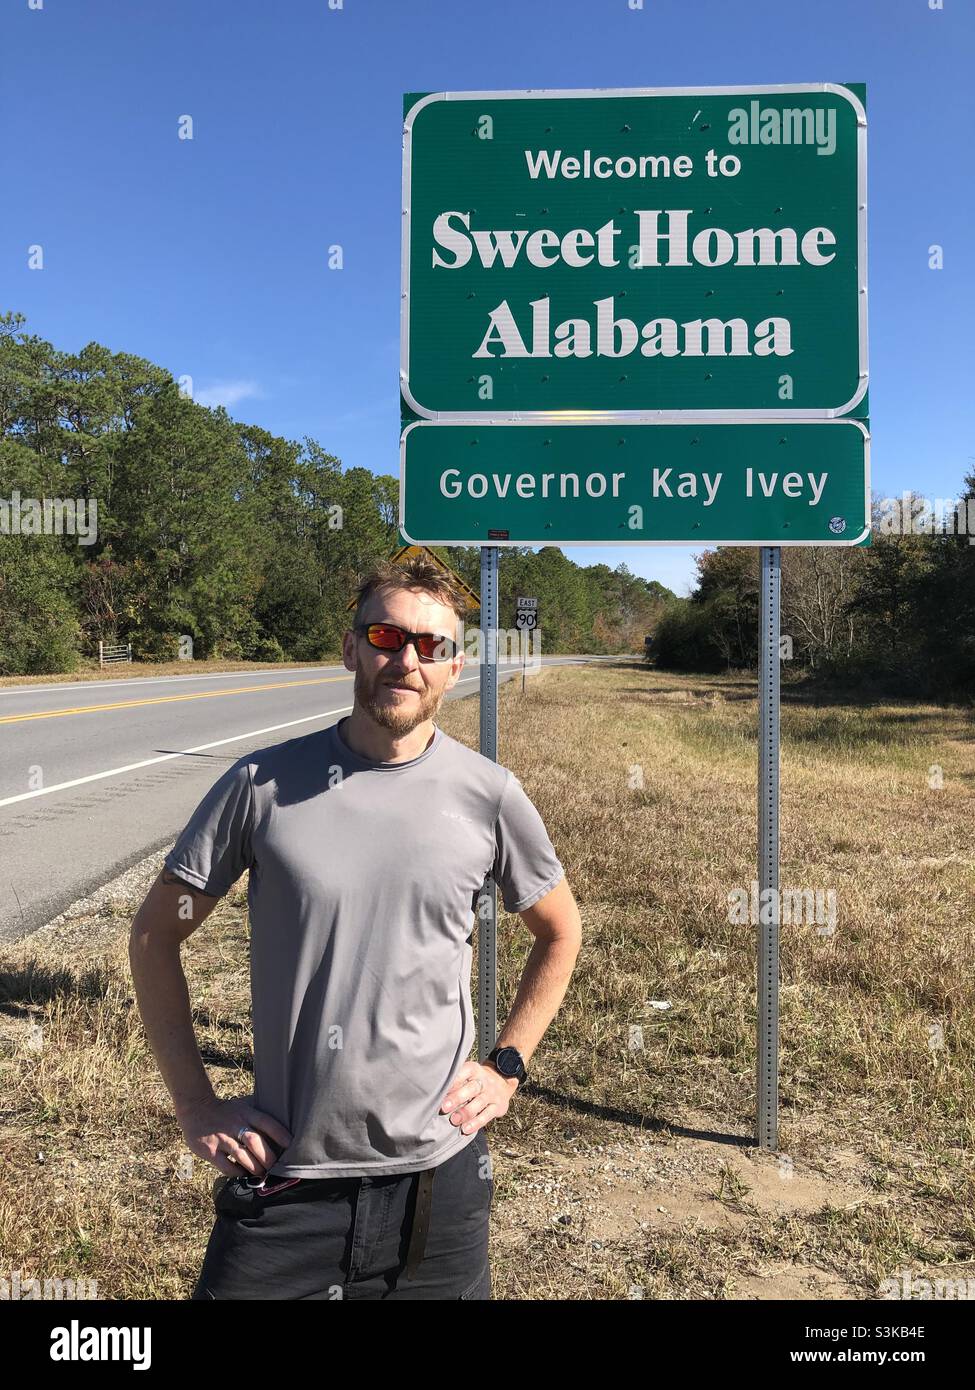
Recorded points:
399,716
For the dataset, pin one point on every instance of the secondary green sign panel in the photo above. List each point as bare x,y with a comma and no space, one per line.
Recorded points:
545,483
651,254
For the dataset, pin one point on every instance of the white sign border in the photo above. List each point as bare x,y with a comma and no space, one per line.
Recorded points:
640,416
479,422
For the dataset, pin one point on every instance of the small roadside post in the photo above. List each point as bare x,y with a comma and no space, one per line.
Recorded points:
526,621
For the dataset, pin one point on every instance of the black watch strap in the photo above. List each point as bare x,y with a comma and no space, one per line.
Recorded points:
514,1063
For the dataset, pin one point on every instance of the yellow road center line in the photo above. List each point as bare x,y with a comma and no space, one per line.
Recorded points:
165,699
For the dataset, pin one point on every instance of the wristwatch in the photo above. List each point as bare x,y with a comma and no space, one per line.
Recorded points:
509,1062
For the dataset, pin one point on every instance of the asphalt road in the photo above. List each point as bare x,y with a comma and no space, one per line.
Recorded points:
96,776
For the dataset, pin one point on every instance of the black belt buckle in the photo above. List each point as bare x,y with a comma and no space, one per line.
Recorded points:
233,1196
238,1196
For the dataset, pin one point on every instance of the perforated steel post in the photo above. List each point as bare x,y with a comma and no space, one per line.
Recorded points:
768,847
487,918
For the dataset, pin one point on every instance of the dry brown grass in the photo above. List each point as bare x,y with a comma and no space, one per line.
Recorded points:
876,1084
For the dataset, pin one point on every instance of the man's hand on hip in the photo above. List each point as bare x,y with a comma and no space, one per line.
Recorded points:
212,1130
478,1094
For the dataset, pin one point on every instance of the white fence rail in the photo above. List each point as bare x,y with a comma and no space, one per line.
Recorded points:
109,655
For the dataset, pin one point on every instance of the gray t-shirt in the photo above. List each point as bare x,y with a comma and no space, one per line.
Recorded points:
362,895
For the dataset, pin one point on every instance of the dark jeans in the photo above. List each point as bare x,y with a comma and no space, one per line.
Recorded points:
349,1238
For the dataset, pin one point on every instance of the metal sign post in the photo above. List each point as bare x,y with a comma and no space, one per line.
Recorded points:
487,919
768,848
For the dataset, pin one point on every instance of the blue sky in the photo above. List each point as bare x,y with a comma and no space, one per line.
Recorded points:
210,256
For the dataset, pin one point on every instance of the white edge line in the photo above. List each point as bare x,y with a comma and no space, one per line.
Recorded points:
167,757
576,424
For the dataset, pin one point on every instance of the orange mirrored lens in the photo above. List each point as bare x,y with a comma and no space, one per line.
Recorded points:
434,648
388,638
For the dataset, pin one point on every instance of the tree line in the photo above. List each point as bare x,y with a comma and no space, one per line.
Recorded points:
896,616
209,528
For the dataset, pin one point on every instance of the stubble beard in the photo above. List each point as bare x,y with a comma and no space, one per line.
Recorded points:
390,716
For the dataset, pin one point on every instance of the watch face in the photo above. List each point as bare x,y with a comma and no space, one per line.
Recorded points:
507,1061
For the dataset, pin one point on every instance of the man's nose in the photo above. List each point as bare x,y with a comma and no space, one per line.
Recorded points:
408,659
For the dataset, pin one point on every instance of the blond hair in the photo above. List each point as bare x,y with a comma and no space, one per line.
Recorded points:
417,572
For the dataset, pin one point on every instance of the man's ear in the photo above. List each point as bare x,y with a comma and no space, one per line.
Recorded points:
348,650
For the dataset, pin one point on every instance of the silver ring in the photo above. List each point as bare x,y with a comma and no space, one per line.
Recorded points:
244,1129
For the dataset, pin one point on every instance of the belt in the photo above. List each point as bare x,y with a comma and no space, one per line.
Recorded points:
421,1220
242,1196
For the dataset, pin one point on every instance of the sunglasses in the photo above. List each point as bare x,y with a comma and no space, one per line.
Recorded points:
387,638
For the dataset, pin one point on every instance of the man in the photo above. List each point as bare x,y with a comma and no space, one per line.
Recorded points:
359,1167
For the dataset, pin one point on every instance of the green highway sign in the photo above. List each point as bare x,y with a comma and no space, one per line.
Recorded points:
548,483
648,254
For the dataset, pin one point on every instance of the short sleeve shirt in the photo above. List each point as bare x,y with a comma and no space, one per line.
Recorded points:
362,890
